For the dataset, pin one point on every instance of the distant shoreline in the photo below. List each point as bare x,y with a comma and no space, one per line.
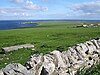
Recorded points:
55,20
15,24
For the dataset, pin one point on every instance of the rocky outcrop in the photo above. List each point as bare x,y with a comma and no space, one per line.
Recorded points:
59,63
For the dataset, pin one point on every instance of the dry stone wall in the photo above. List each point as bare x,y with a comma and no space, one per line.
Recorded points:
59,63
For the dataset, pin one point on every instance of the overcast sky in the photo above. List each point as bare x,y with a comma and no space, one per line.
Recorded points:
49,9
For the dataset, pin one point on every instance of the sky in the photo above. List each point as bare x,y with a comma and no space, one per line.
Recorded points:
49,9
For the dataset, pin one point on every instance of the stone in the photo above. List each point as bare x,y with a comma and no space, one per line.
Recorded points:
89,63
43,72
35,63
59,59
98,41
77,65
12,48
72,60
48,65
59,64
73,52
84,47
1,72
90,46
66,59
96,58
80,53
95,43
15,69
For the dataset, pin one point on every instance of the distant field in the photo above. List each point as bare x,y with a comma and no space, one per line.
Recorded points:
46,37
59,24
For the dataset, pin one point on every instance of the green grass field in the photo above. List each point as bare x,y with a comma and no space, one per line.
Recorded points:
46,37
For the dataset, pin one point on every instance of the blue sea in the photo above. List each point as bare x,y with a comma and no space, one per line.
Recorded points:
10,24
15,24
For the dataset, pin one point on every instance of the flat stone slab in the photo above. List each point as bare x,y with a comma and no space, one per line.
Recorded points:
12,48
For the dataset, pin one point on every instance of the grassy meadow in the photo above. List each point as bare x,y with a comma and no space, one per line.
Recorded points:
46,37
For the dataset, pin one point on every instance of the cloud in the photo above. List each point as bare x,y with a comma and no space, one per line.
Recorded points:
2,11
87,8
23,8
22,14
13,11
30,6
17,1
